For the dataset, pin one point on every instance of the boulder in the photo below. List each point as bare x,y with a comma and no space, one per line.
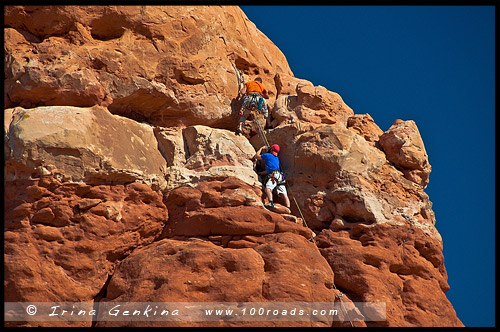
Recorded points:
363,125
228,207
199,153
279,268
328,149
398,268
404,147
310,106
82,144
319,105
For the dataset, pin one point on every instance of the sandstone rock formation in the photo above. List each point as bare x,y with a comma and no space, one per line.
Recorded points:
124,181
404,147
200,153
363,125
165,65
63,239
81,144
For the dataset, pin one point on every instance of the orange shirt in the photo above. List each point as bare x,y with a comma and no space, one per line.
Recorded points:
254,86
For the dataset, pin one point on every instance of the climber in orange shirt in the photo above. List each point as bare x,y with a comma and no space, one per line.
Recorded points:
254,93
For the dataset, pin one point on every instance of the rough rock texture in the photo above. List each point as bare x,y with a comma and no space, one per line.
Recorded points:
404,147
201,153
318,105
167,65
390,264
124,180
363,125
269,268
212,208
75,144
63,240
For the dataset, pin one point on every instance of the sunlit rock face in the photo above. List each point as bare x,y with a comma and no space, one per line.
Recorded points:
125,182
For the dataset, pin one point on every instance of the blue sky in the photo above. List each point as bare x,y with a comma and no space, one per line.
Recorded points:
431,64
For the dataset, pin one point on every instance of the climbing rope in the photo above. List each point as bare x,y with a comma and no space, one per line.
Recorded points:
261,132
239,76
342,304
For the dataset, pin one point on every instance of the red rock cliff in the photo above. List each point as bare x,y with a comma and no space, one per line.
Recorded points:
124,181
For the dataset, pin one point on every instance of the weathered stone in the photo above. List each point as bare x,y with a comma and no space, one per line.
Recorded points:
329,149
82,144
199,271
363,125
43,216
200,153
337,224
393,270
48,233
71,262
322,106
278,208
283,110
222,207
169,65
36,192
404,147
87,203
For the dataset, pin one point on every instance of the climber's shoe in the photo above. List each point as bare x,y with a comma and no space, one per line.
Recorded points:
238,131
269,206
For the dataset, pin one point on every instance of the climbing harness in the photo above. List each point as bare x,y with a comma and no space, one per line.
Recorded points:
272,176
253,101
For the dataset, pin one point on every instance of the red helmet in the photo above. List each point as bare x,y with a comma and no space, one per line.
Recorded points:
275,148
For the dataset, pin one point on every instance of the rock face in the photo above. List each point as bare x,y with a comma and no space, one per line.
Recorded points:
363,125
82,144
124,181
391,264
167,65
63,240
199,153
